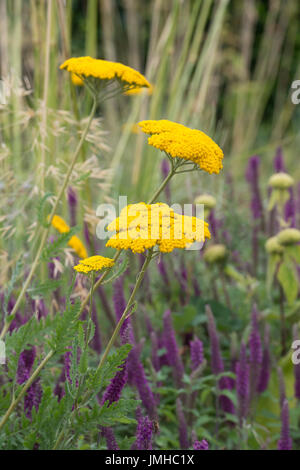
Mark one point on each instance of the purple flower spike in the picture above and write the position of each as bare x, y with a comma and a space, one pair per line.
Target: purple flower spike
217, 365
183, 429
137, 377
34, 393
114, 389
173, 355
265, 370
144, 434
242, 383
285, 441
201, 445
278, 161
197, 356
252, 174
72, 200
111, 442
296, 367
254, 340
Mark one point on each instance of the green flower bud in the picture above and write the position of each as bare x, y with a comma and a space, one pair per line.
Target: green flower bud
206, 199
289, 236
272, 246
281, 181
215, 254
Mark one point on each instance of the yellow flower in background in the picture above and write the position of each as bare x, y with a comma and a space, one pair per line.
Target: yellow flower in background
85, 67
179, 141
143, 226
62, 227
93, 264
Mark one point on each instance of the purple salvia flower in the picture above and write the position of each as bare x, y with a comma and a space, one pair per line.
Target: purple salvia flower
33, 397
67, 364
278, 161
137, 377
264, 375
144, 434
296, 367
254, 340
182, 426
217, 365
109, 436
255, 353
197, 290
173, 355
252, 173
290, 209
154, 351
25, 364
242, 383
72, 201
201, 445
285, 441
213, 224
197, 356
120, 303
34, 393
282, 391
116, 385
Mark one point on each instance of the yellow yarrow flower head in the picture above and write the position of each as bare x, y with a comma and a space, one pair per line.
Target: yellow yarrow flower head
94, 264
76, 80
75, 243
179, 141
144, 226
273, 246
95, 70
288, 236
281, 181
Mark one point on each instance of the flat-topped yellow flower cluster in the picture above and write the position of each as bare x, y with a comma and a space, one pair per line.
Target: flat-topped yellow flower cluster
143, 226
179, 141
62, 227
94, 264
84, 67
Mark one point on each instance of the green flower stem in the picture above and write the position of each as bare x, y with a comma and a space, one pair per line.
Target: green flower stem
25, 388
126, 311
47, 230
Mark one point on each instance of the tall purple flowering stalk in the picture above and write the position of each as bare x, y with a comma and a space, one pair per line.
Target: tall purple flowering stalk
285, 441
252, 176
109, 436
255, 352
182, 426
197, 355
144, 434
265, 370
170, 343
278, 161
34, 393
242, 383
120, 304
217, 364
296, 367
138, 378
201, 445
72, 201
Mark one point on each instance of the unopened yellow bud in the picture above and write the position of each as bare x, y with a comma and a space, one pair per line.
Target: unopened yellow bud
215, 254
289, 236
281, 181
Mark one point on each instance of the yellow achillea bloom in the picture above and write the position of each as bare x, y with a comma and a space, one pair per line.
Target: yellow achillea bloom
85, 67
143, 226
76, 80
179, 141
62, 227
93, 263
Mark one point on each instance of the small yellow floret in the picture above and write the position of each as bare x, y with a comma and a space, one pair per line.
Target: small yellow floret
93, 264
62, 227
